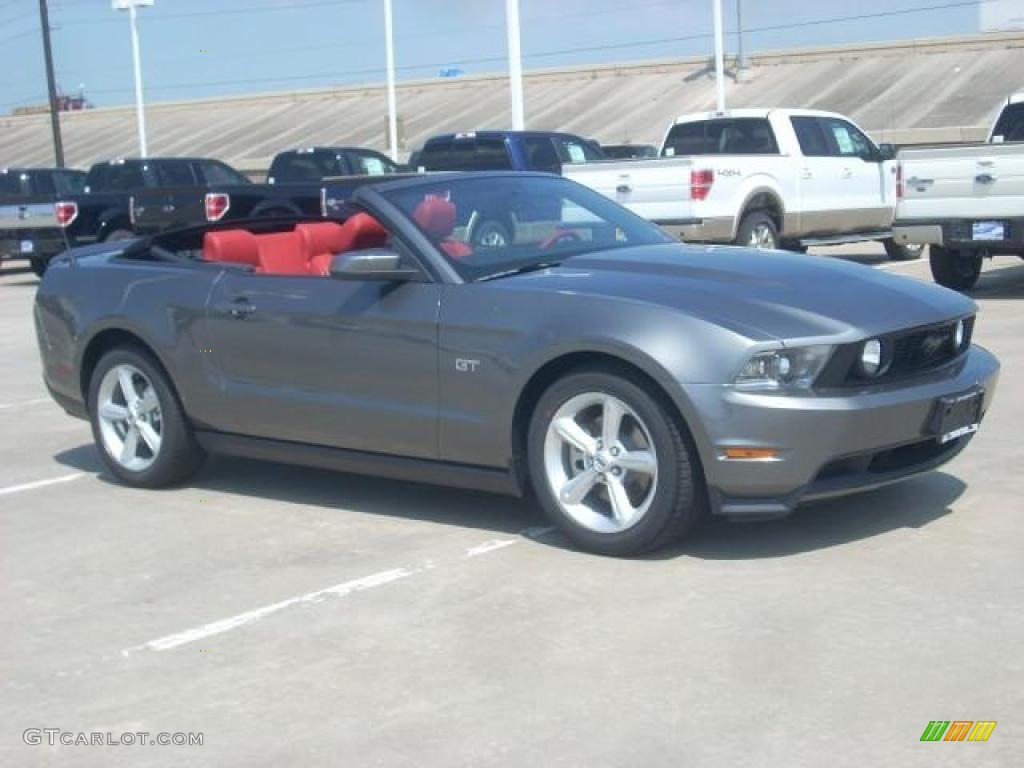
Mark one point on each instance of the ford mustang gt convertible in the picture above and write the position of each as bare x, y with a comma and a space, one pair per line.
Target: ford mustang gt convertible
631, 383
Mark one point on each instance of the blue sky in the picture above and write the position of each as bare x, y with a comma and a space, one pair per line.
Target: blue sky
196, 48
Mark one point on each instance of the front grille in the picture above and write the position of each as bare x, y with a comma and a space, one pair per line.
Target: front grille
907, 353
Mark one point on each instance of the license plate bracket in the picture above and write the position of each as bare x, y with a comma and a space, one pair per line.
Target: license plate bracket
957, 415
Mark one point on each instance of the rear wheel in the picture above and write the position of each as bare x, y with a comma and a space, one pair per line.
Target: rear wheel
611, 466
956, 269
491, 234
907, 252
757, 230
794, 245
38, 265
119, 234
137, 422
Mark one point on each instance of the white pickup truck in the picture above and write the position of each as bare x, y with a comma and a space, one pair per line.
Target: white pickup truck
760, 177
966, 201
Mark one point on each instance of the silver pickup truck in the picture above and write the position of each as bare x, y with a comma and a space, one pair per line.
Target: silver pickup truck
966, 201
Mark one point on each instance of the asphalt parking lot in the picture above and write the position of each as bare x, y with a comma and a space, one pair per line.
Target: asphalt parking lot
298, 617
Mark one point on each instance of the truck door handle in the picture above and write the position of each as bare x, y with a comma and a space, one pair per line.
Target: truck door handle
916, 182
168, 208
847, 173
623, 189
807, 174
985, 178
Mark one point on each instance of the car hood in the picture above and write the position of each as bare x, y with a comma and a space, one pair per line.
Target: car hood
761, 294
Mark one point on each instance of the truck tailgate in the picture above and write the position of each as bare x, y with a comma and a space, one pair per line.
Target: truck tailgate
26, 216
984, 181
656, 189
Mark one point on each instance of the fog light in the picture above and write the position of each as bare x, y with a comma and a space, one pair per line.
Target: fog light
871, 363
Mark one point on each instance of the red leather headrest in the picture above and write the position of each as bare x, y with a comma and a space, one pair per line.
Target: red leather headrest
363, 231
321, 237
436, 216
234, 245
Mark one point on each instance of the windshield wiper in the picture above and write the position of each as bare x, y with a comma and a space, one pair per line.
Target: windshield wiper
520, 270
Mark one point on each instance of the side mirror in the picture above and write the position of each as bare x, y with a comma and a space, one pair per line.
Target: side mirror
377, 264
886, 152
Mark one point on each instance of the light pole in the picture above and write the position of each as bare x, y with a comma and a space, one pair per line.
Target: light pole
389, 47
515, 64
740, 59
140, 114
719, 57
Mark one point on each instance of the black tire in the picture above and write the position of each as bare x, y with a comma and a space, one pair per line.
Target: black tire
897, 252
118, 234
679, 499
491, 233
794, 245
955, 269
39, 265
757, 220
180, 456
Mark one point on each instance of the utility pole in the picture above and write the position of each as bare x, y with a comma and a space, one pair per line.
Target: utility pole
740, 60
389, 47
515, 64
719, 57
58, 145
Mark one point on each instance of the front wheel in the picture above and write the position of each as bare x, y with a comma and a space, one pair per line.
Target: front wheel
908, 252
611, 466
137, 422
757, 230
955, 269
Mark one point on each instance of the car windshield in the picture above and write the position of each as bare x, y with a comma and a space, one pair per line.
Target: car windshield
490, 226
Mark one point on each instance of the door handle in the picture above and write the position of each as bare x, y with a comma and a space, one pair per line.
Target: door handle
623, 189
847, 173
985, 178
916, 182
807, 174
239, 308
168, 209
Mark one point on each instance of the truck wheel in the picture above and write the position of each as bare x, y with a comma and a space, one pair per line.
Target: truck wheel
757, 230
38, 265
907, 252
793, 245
138, 423
611, 466
492, 234
955, 269
118, 234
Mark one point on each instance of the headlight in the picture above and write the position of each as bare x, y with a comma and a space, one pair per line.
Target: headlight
794, 368
958, 334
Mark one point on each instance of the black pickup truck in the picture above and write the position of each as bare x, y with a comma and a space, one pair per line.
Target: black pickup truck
27, 198
297, 184
103, 209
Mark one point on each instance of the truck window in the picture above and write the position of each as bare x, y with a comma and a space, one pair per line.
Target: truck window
739, 136
10, 183
572, 150
1010, 125
685, 139
176, 173
811, 137
41, 183
304, 167
436, 155
846, 140
541, 154
365, 163
70, 183
217, 173
119, 177
479, 155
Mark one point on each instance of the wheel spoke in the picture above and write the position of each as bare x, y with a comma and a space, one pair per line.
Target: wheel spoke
574, 491
638, 461
130, 448
113, 412
622, 508
124, 379
575, 435
148, 401
611, 421
149, 435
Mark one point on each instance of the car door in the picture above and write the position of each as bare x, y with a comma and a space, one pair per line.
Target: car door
863, 177
330, 362
180, 204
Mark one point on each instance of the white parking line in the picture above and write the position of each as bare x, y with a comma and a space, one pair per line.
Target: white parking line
344, 589
898, 264
25, 403
40, 484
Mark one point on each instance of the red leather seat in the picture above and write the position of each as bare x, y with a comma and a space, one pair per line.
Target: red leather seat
281, 254
436, 217
322, 241
232, 245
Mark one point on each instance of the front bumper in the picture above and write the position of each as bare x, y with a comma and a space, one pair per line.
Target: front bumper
829, 445
718, 230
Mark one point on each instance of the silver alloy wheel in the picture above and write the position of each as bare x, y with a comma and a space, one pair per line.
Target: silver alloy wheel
914, 250
762, 238
600, 462
131, 423
492, 238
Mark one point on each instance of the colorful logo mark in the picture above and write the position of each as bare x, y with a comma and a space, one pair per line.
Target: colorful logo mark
958, 730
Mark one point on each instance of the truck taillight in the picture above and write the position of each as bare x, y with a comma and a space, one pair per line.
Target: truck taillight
899, 181
701, 183
65, 213
217, 204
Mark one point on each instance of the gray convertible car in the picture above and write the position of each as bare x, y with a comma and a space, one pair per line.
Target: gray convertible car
633, 383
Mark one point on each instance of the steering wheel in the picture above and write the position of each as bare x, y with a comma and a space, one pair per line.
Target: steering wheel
559, 236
